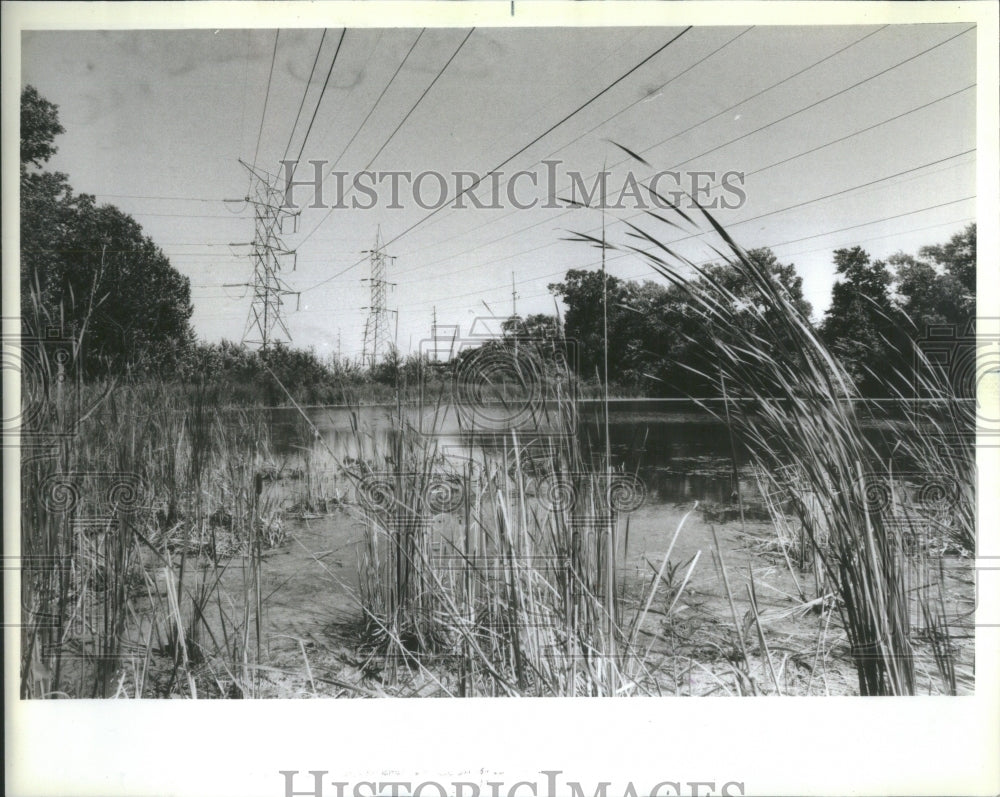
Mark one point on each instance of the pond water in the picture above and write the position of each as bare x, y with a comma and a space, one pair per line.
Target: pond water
679, 451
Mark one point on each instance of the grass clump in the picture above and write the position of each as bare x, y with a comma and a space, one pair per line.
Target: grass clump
495, 567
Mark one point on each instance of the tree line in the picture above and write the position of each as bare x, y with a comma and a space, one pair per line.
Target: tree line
879, 312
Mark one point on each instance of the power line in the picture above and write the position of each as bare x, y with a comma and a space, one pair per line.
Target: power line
365, 121
828, 196
724, 111
964, 220
243, 101
879, 221
642, 99
824, 197
505, 286
743, 221
745, 175
203, 243
319, 102
305, 93
756, 171
204, 254
676, 77
855, 188
420, 99
794, 113
374, 106
267, 95
826, 99
640, 213
760, 93
161, 197
190, 215
379, 99
522, 149
770, 124
539, 137
895, 118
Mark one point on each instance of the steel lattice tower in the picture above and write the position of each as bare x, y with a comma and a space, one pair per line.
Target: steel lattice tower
270, 257
377, 341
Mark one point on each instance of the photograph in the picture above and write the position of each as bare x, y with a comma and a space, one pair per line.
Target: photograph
510, 352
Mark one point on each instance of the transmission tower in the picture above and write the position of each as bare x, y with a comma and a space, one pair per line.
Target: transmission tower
270, 257
377, 342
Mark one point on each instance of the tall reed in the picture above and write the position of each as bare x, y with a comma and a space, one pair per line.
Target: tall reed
494, 567
131, 513
805, 435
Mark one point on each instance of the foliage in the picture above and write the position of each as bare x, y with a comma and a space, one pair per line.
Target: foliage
879, 312
537, 326
812, 448
882, 309
516, 601
583, 294
89, 270
957, 259
39, 127
157, 500
861, 323
655, 342
939, 286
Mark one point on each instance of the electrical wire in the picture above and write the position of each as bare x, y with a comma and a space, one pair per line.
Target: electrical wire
319, 102
522, 149
305, 93
267, 95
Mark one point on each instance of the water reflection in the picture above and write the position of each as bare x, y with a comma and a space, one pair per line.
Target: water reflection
680, 455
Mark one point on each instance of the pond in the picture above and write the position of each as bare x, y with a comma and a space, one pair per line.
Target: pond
679, 451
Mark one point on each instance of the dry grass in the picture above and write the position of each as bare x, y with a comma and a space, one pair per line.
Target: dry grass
129, 523
500, 572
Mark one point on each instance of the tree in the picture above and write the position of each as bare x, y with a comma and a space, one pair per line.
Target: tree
655, 326
656, 341
39, 127
958, 260
90, 269
538, 326
744, 300
583, 293
862, 326
939, 286
921, 292
730, 289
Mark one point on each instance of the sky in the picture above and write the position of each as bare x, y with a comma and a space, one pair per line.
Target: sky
843, 135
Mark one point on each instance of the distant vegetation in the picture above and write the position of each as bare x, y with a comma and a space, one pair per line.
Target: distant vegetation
656, 340
91, 273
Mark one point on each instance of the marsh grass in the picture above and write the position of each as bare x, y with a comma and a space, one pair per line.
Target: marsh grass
807, 441
497, 569
132, 512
